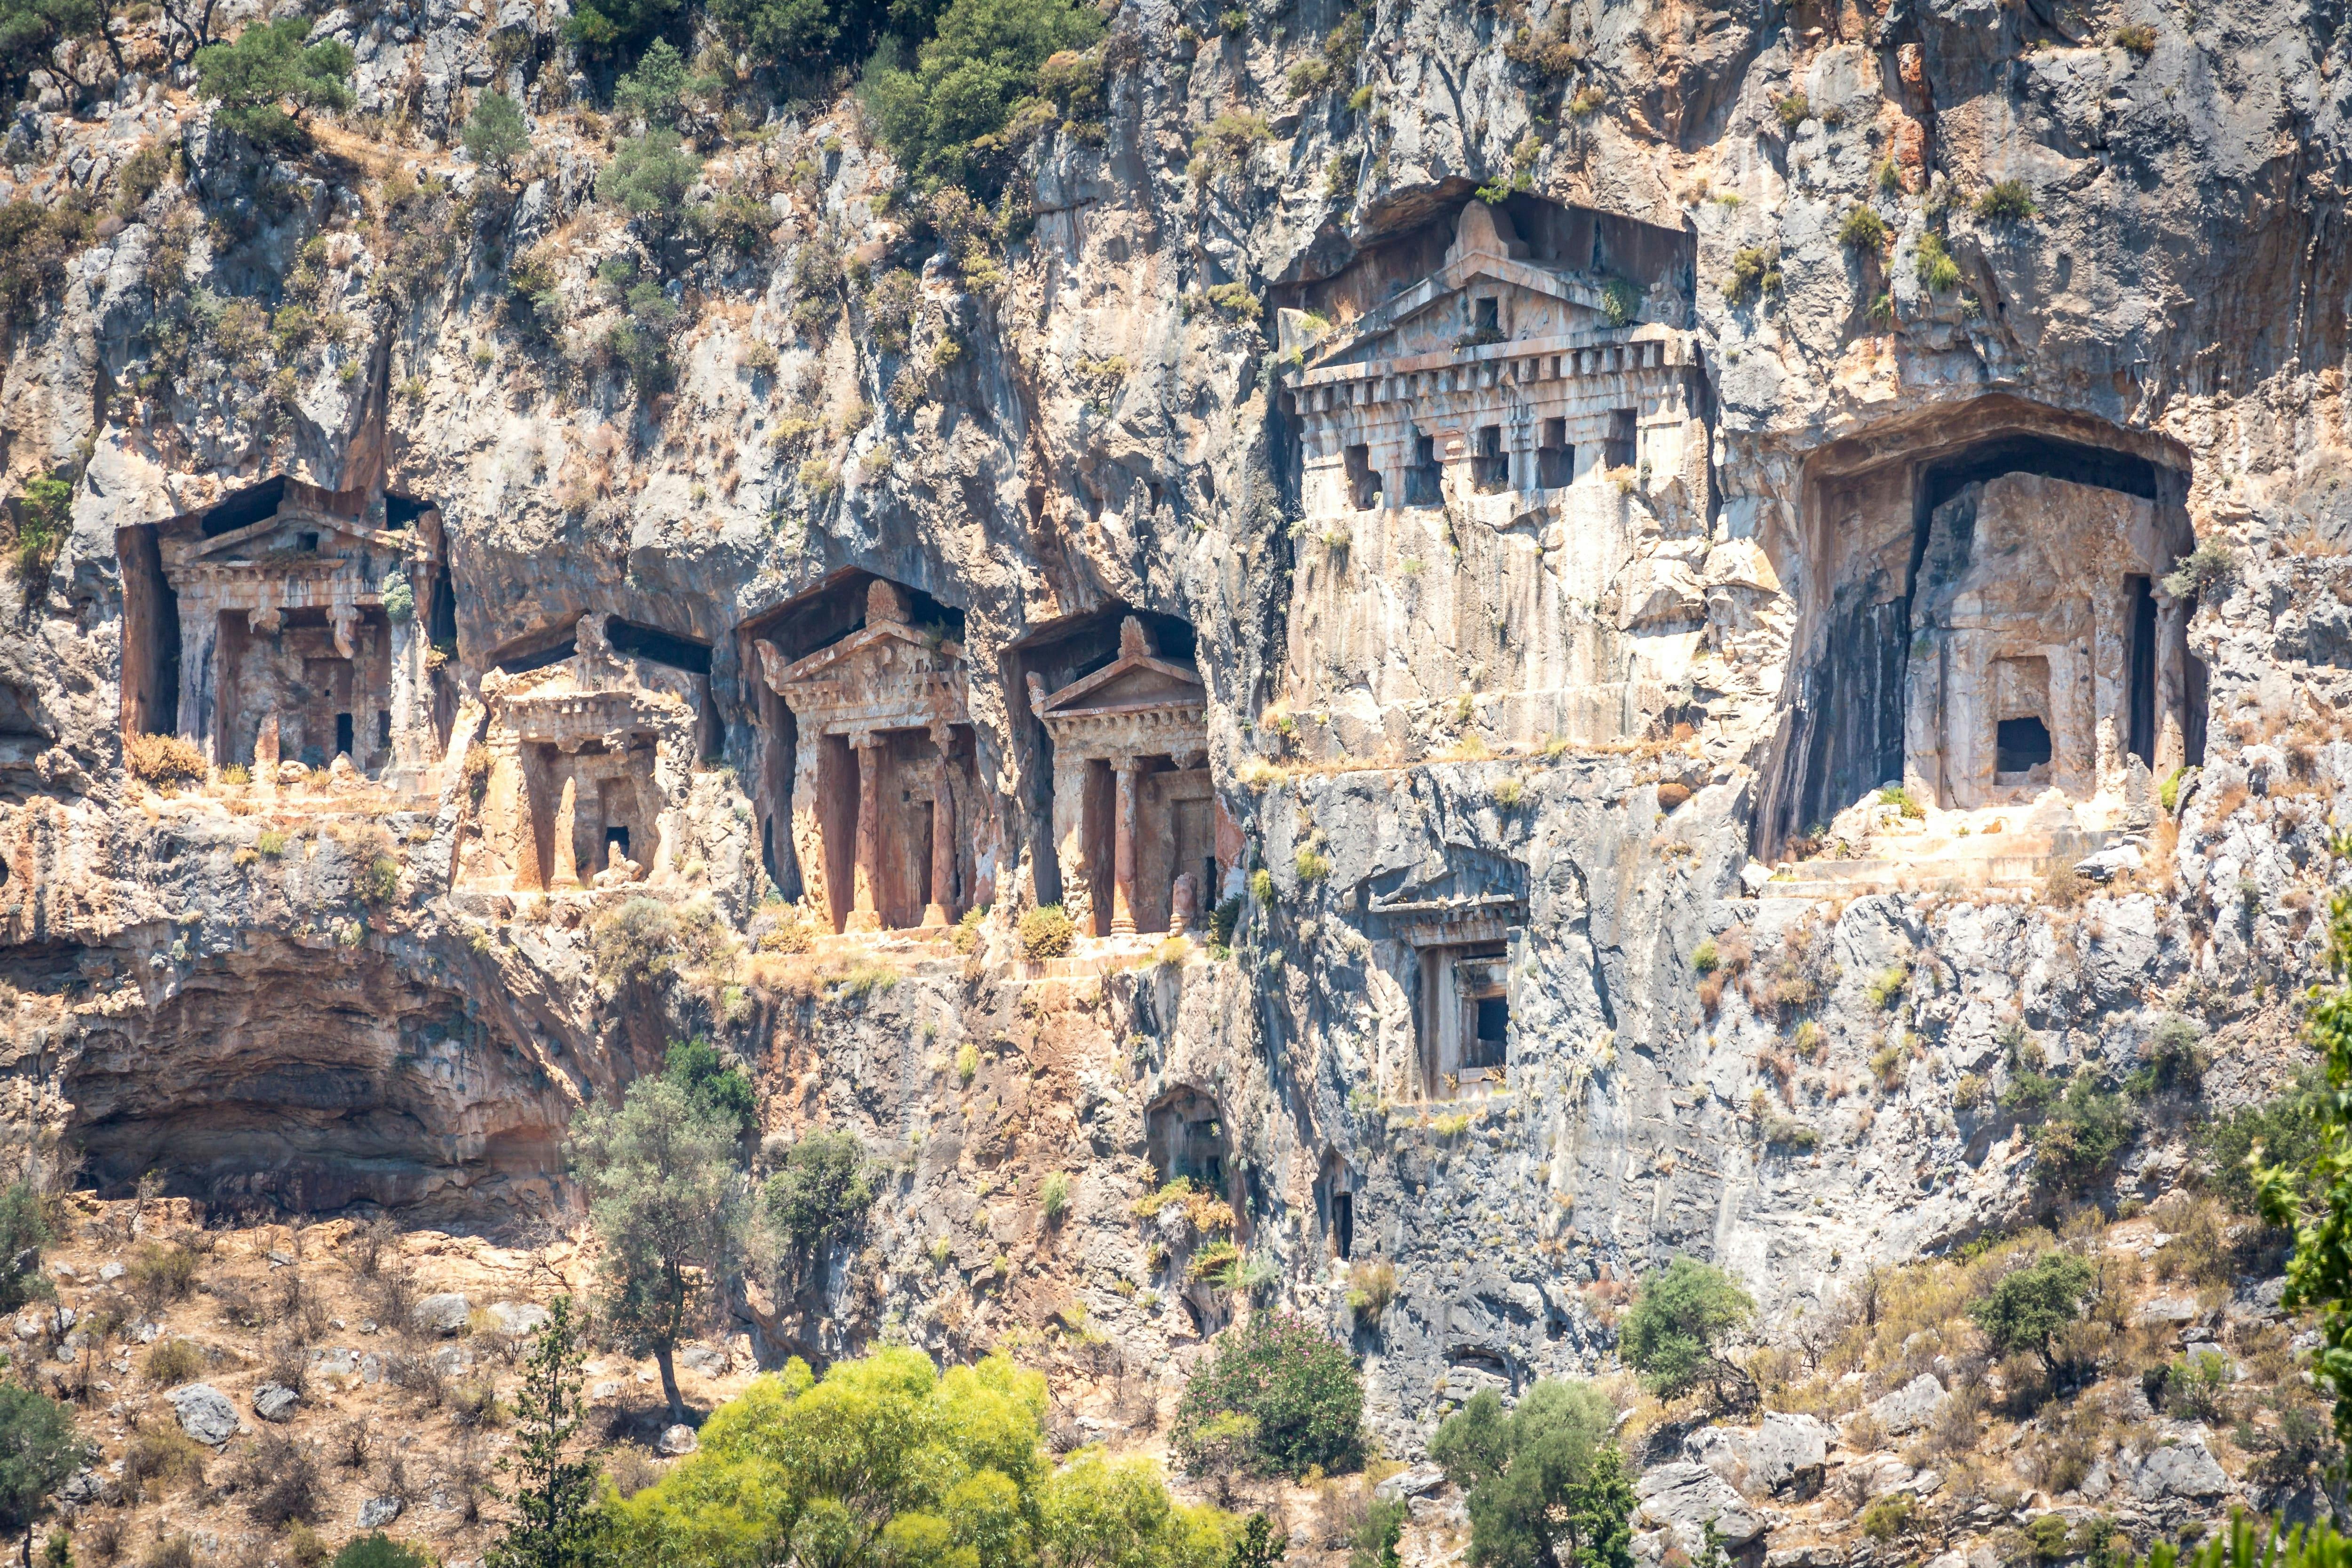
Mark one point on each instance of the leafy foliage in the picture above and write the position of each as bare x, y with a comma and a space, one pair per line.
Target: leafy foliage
2319, 1277
715, 1083
1047, 931
1545, 1484
887, 1460
34, 243
555, 1524
31, 32
944, 118
663, 1196
2032, 1306
635, 943
377, 1550
2081, 1133
2203, 572
1675, 1332
611, 27
269, 65
1300, 1389
657, 90
39, 1449
496, 136
2286, 1132
44, 513
649, 177
2006, 201
1863, 230
822, 1191
25, 1229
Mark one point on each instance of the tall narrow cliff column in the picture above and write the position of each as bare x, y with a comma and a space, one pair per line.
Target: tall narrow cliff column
567, 816
1122, 880
943, 844
863, 913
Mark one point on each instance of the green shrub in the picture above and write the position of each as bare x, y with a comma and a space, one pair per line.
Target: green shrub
162, 1273
2288, 1131
2082, 1135
377, 1550
35, 242
655, 90
1704, 958
1311, 867
44, 513
1047, 931
1547, 1483
1675, 1332
633, 944
270, 63
1935, 266
380, 883
2031, 1306
944, 118
2174, 1060
1236, 299
495, 134
648, 178
2006, 201
1754, 272
1222, 922
1794, 110
1621, 301
2137, 37
714, 1083
1886, 989
967, 1063
2196, 1386
1261, 887
820, 1191
171, 1362
1887, 1517
1054, 1197
1375, 1541
1302, 1391
890, 307
1863, 230
2198, 574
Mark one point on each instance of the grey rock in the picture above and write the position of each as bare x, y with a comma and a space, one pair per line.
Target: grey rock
275, 1401
519, 1317
110, 1272
2184, 1469
1785, 1447
1413, 1482
677, 1439
375, 1512
445, 1314
335, 1362
2168, 1309
1911, 1406
1683, 1497
704, 1360
205, 1413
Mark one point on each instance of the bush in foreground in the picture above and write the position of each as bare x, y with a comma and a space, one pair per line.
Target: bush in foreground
1299, 1390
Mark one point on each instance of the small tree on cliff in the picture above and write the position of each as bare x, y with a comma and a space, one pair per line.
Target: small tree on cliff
39, 1449
556, 1524
668, 1207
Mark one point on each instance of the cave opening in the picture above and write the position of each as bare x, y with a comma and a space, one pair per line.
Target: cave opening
151, 635
2023, 745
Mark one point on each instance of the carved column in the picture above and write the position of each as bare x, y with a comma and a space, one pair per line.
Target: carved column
1122, 882
864, 915
567, 815
943, 842
2171, 685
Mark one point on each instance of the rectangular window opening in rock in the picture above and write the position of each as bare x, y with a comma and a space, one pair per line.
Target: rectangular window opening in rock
2142, 739
1486, 318
1490, 466
1620, 447
1343, 1223
1555, 459
1363, 479
1422, 479
1464, 1018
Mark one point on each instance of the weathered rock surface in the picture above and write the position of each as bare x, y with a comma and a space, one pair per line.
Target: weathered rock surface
203, 1413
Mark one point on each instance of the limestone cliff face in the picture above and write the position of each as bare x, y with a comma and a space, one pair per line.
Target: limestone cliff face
1539, 562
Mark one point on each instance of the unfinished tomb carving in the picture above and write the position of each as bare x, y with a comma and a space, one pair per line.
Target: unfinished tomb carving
1499, 478
1447, 934
591, 760
1134, 812
2046, 653
886, 788
287, 652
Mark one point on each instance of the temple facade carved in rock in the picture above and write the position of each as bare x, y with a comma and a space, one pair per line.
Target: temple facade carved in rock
589, 761
1134, 811
886, 810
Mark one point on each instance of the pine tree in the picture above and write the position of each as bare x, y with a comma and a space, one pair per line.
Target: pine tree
557, 1524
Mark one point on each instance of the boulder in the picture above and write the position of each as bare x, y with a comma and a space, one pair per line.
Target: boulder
2168, 1309
275, 1401
1788, 1452
205, 1413
1911, 1406
2176, 1471
1422, 1477
335, 1362
375, 1512
519, 1317
704, 1360
445, 1314
1683, 1497
677, 1439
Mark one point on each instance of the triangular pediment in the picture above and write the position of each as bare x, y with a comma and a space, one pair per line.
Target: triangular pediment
282, 536
870, 650
1145, 681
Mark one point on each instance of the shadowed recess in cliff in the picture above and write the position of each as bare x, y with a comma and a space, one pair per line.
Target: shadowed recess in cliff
1870, 502
311, 1082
